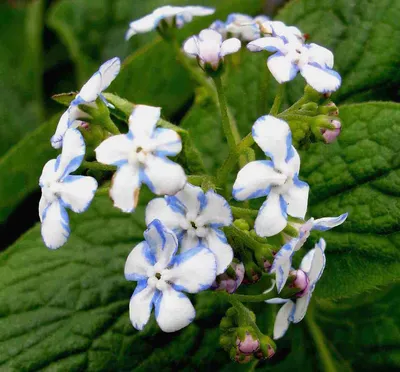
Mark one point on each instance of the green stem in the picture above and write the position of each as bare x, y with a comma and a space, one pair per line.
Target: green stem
264, 91
98, 166
287, 117
243, 212
319, 340
103, 191
254, 298
296, 105
232, 159
226, 123
109, 125
278, 100
244, 238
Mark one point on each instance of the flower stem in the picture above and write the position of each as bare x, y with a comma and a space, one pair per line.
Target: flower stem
94, 165
319, 340
230, 130
296, 105
278, 100
265, 80
109, 125
254, 298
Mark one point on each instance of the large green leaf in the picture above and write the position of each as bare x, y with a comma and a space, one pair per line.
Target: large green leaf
20, 71
151, 75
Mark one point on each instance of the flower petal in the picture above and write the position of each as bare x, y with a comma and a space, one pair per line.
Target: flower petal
282, 319
215, 211
43, 205
109, 71
142, 25
293, 160
189, 241
174, 310
322, 80
301, 307
282, 68
163, 176
271, 44
167, 142
191, 46
125, 188
114, 150
210, 35
274, 138
62, 126
139, 261
163, 243
255, 179
159, 209
90, 91
272, 216
327, 223
192, 271
283, 263
318, 263
230, 46
143, 120
48, 172
217, 243
141, 304
187, 201
77, 192
320, 55
199, 10
55, 225
72, 153
296, 198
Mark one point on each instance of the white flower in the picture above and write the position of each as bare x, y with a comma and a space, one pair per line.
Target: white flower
92, 90
313, 61
196, 218
312, 266
209, 48
277, 178
283, 259
141, 157
244, 27
61, 191
162, 276
181, 15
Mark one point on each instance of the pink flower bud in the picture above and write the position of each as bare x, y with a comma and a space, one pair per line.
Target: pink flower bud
249, 345
331, 134
228, 284
301, 282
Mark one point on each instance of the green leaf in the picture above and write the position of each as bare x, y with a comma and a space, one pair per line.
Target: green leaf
21, 166
21, 108
359, 174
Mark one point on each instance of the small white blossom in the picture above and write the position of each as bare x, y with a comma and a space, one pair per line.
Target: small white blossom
279, 29
283, 259
196, 218
180, 14
209, 48
277, 178
92, 90
141, 156
163, 276
60, 190
312, 267
314, 62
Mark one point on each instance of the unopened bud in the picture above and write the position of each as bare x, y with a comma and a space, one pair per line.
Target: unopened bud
241, 224
253, 273
227, 283
329, 109
312, 107
311, 94
301, 282
267, 348
330, 135
264, 257
248, 345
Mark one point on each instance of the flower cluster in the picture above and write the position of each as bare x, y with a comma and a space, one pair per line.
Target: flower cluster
202, 232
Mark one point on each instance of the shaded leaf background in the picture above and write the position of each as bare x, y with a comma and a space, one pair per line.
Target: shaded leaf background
67, 310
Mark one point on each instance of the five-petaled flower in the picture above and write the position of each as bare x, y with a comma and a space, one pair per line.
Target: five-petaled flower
277, 178
92, 90
162, 276
283, 260
196, 218
60, 190
141, 157
311, 269
171, 14
314, 62
209, 48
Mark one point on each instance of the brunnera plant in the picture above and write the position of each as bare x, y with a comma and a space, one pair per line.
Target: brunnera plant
229, 244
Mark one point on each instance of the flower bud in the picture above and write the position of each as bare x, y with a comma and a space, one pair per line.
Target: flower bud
330, 135
227, 283
264, 257
296, 284
241, 224
253, 273
329, 109
310, 106
311, 94
247, 345
267, 348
